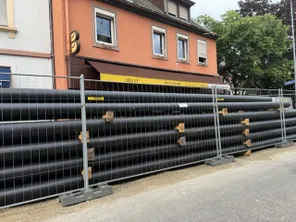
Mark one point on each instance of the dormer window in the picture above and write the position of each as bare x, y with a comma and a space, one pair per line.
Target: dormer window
183, 12
177, 10
173, 8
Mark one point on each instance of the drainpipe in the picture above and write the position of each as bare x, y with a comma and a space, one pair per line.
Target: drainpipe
67, 26
52, 43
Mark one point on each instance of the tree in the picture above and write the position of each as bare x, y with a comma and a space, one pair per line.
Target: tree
250, 49
257, 7
280, 9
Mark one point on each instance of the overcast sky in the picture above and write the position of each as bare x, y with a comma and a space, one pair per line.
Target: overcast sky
214, 8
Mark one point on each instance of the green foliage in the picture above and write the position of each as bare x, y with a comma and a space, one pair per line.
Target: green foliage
251, 49
280, 9
259, 7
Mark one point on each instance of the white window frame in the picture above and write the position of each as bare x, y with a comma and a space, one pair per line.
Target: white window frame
198, 52
112, 17
164, 41
183, 37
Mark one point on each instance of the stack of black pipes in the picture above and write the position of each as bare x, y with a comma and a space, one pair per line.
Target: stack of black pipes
41, 153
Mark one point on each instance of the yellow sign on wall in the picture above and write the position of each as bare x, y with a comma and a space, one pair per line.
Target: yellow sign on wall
150, 81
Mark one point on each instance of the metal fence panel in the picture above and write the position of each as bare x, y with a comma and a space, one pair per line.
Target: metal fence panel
257, 124
95, 132
145, 129
40, 151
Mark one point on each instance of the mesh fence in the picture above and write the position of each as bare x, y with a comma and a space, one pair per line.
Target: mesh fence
40, 152
140, 129
252, 122
57, 141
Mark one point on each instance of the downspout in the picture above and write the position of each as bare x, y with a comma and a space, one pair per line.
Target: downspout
52, 43
67, 36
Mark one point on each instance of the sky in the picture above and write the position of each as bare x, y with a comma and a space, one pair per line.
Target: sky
214, 8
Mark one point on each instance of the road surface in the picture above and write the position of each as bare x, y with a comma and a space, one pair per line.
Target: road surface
257, 188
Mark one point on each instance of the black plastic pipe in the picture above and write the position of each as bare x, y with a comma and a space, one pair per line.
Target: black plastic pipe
50, 96
38, 152
56, 130
122, 156
40, 131
148, 167
108, 143
32, 191
38, 168
27, 111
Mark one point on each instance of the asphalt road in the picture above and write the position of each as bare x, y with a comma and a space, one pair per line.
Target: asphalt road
262, 190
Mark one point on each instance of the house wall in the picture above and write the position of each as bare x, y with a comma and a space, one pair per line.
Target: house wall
134, 34
30, 50
27, 65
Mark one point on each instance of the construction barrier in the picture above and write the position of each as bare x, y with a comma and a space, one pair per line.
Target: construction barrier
59, 142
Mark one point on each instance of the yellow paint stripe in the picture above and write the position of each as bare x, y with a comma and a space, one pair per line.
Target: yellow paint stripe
150, 81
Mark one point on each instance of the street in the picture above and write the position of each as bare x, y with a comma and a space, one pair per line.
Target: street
257, 188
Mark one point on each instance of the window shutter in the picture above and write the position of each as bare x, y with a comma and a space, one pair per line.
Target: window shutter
172, 7
184, 13
3, 13
202, 49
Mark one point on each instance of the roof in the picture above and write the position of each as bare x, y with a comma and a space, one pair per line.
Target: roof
146, 7
189, 2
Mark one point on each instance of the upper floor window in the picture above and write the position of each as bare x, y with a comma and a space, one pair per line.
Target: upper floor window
172, 8
183, 12
177, 10
159, 41
7, 17
3, 13
182, 47
202, 52
105, 27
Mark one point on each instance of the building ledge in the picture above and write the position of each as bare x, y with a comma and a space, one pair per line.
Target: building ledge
11, 31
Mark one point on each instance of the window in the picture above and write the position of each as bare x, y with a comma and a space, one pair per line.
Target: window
172, 8
5, 77
159, 41
105, 27
7, 18
3, 13
182, 47
202, 52
183, 12
178, 10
